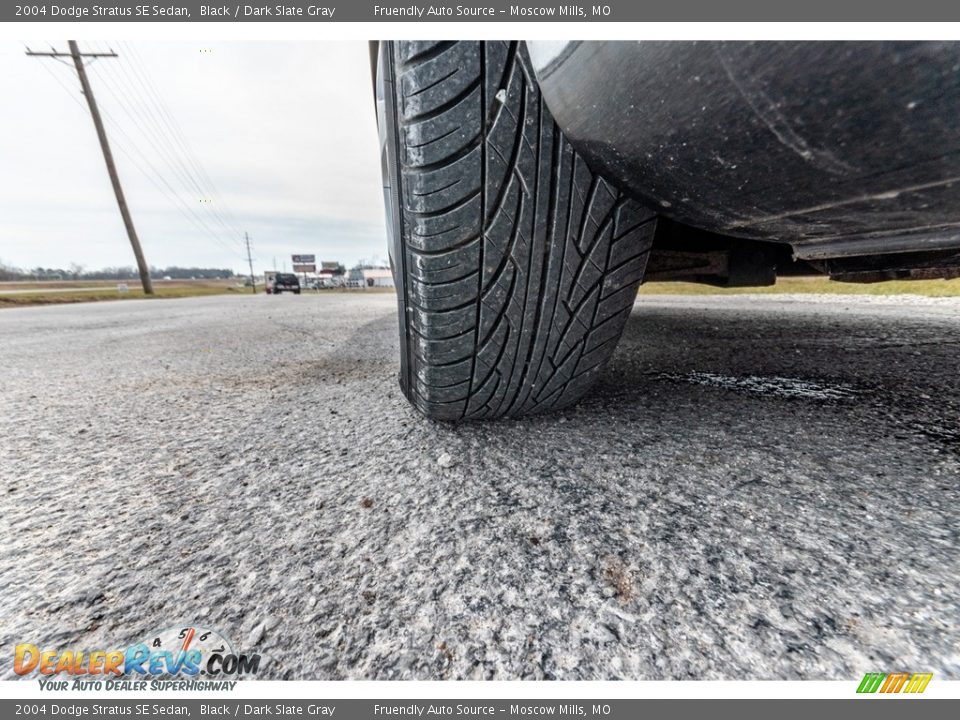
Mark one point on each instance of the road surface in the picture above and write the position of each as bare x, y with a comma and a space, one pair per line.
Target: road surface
762, 487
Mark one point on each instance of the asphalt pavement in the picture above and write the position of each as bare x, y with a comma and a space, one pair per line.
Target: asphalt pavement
761, 487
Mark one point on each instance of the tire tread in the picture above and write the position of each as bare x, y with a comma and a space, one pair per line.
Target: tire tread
522, 264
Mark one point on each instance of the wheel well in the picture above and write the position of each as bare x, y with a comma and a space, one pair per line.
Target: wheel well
681, 252
684, 253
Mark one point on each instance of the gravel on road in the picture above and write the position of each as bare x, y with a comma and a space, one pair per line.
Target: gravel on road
761, 487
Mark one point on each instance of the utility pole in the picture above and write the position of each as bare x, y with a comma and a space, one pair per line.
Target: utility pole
78, 58
253, 282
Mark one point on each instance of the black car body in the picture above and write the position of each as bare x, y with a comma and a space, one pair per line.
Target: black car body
847, 153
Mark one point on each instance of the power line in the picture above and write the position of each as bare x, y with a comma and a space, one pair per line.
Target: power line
169, 191
185, 143
189, 213
145, 118
78, 62
159, 150
138, 68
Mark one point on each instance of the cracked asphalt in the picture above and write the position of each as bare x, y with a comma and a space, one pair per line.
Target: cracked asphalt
761, 487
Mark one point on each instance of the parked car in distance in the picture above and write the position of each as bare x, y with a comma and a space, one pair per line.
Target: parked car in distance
283, 282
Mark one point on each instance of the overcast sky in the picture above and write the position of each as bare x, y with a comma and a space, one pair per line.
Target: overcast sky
285, 131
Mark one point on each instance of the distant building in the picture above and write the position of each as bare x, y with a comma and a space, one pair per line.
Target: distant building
378, 277
328, 273
370, 277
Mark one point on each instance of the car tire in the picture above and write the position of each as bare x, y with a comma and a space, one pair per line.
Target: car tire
516, 266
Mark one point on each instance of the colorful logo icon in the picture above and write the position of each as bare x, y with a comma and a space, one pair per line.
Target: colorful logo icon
183, 650
898, 682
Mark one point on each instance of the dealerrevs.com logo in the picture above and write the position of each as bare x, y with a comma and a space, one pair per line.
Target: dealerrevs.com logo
182, 658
